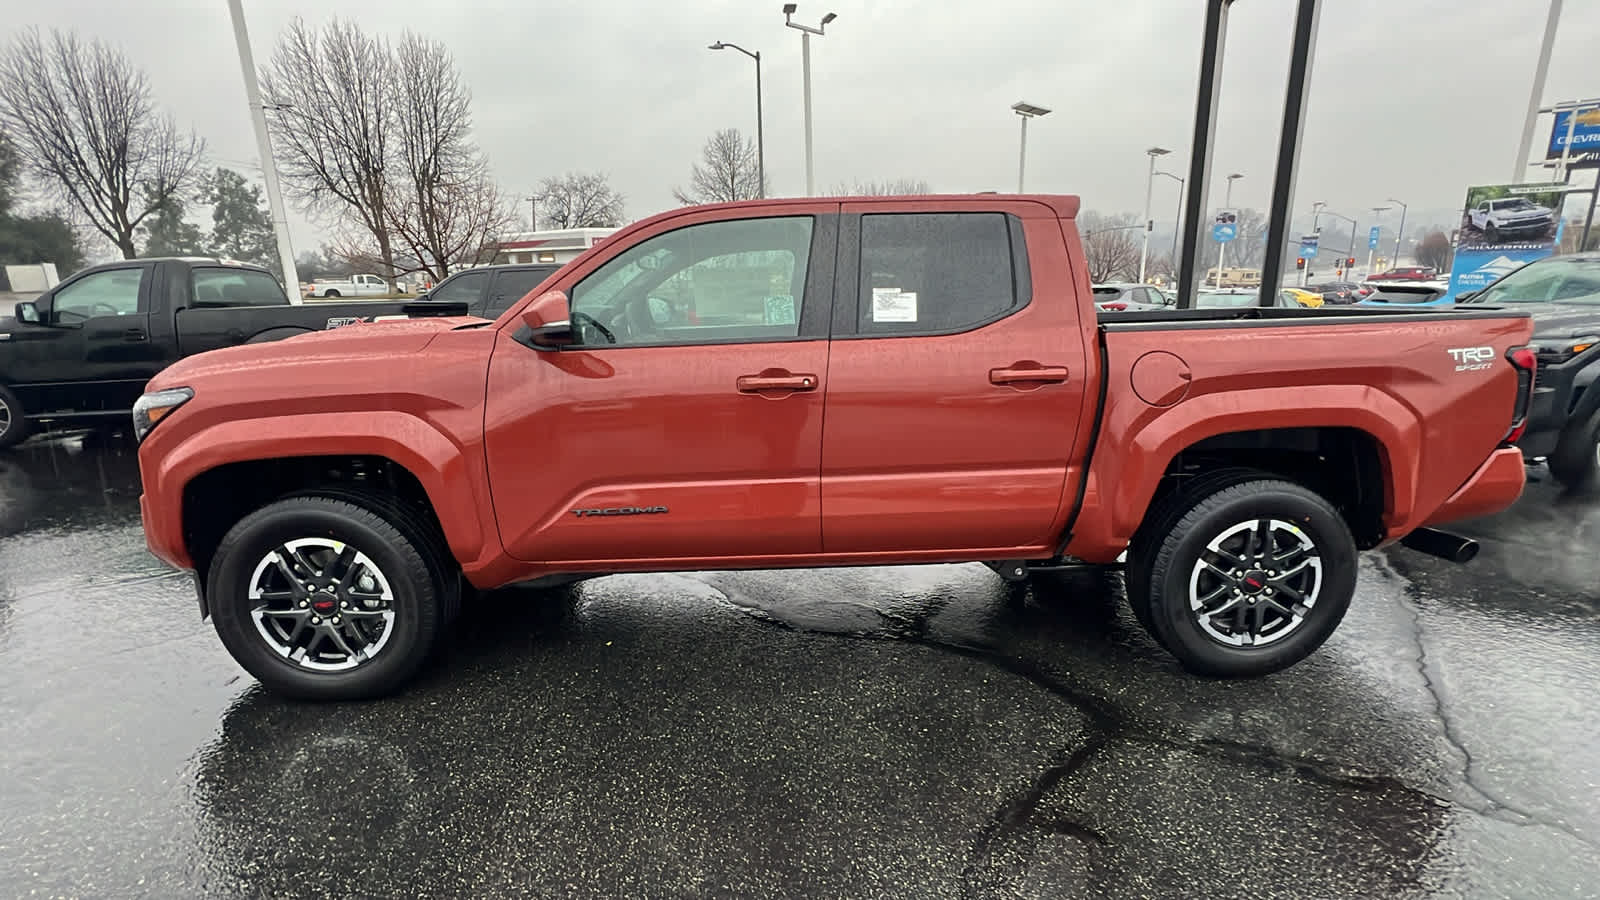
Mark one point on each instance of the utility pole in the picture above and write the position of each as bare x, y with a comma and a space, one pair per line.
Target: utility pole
1149, 185
269, 166
533, 212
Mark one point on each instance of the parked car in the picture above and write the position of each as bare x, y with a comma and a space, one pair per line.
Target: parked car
976, 411
1129, 297
354, 286
1339, 292
1511, 218
1309, 299
1405, 273
1244, 299
1411, 293
489, 291
81, 352
1563, 295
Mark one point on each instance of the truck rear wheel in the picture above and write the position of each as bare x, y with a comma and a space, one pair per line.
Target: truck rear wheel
1249, 580
14, 428
332, 293
1576, 460
323, 599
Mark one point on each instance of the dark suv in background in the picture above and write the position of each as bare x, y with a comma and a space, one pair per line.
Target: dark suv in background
489, 291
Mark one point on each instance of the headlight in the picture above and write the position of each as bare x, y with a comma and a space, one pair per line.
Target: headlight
153, 407
1559, 350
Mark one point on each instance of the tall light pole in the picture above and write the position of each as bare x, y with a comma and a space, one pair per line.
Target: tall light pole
761, 141
1540, 70
806, 31
1026, 111
1149, 184
1372, 245
1398, 232
1177, 223
269, 166
1222, 251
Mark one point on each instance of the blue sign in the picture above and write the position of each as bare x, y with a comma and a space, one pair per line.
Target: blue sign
1585, 134
1372, 238
1308, 246
1473, 270
1223, 233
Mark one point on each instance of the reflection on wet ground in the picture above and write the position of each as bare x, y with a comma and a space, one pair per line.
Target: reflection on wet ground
886, 732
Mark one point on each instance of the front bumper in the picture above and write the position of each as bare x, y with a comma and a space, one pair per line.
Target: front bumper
1496, 485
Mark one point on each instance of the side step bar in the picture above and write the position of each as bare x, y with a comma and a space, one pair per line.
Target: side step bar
1442, 544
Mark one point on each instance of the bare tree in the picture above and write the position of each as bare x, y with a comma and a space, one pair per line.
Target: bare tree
579, 200
894, 188
83, 120
1110, 245
329, 98
443, 207
1434, 250
727, 171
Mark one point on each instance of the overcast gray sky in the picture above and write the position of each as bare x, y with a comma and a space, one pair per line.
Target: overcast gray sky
1413, 99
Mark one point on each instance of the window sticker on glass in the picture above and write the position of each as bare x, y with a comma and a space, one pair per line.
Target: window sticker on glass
779, 310
890, 304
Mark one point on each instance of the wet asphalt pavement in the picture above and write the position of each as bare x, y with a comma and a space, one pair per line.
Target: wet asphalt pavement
869, 732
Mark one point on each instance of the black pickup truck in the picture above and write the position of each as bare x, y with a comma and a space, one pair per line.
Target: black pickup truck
81, 352
1563, 294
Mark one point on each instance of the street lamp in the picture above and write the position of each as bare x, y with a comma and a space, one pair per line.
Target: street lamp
1398, 231
1222, 251
1149, 184
1026, 111
1372, 245
761, 141
806, 31
1177, 224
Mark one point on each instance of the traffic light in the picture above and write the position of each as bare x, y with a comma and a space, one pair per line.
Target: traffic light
1300, 262
1349, 261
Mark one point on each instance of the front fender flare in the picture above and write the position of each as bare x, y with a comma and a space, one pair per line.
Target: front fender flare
437, 462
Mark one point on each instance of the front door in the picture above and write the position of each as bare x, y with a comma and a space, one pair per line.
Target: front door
955, 383
96, 354
685, 425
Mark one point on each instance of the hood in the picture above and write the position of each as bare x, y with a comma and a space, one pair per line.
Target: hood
1560, 320
363, 342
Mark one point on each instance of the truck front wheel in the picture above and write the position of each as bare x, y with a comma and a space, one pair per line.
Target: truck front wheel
322, 599
1251, 579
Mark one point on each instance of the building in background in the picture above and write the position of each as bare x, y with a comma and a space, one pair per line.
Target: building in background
558, 245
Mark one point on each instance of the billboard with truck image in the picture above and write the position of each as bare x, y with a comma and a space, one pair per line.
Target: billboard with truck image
1504, 227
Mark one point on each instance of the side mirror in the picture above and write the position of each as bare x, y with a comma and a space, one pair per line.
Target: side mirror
548, 321
27, 311
422, 296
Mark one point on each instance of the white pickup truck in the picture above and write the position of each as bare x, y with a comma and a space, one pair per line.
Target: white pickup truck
354, 286
1511, 218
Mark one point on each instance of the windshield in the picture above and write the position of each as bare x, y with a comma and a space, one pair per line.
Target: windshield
1550, 281
1513, 205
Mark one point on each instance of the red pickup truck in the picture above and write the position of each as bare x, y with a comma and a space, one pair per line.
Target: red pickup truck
823, 382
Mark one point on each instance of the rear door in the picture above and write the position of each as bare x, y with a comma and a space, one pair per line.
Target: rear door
955, 380
685, 425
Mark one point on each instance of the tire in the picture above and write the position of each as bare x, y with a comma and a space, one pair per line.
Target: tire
1159, 522
1491, 233
332, 294
392, 611
1576, 460
14, 429
1272, 631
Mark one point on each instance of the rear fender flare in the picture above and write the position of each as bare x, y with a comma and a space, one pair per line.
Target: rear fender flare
1366, 409
438, 463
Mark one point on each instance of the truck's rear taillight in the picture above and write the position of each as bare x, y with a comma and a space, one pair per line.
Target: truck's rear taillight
1526, 362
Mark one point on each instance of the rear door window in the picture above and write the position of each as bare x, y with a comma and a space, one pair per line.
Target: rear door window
939, 273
